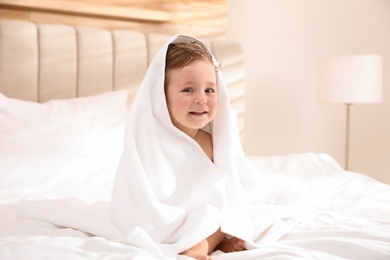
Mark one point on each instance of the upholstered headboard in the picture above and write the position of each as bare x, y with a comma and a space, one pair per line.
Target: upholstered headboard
40, 62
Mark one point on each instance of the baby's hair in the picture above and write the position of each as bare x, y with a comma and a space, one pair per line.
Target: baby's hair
182, 54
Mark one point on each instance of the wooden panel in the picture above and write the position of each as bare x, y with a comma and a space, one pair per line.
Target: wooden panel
58, 62
90, 8
19, 60
130, 60
10, 13
95, 72
199, 18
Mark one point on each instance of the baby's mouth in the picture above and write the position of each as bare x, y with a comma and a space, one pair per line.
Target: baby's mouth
198, 112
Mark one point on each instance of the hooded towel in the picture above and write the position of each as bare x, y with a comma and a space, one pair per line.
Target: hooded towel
168, 195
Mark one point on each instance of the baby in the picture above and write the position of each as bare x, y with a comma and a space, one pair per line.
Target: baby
183, 182
192, 100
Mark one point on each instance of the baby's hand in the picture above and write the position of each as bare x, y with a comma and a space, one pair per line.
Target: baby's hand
233, 244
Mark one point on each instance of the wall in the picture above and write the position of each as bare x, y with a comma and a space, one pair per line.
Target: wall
282, 41
200, 18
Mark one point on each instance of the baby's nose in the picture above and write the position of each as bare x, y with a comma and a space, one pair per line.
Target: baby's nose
201, 99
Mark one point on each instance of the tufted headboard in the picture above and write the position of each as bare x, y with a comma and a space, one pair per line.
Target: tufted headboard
40, 62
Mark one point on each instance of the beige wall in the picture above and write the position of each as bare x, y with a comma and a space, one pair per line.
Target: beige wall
282, 40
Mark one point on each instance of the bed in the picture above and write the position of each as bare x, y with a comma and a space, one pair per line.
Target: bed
64, 96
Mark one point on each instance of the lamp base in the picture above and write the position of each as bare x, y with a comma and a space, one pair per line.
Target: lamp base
347, 106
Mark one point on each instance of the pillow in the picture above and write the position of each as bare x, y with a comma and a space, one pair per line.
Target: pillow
87, 125
297, 164
40, 177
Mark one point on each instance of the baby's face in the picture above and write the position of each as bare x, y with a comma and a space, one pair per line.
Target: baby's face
192, 96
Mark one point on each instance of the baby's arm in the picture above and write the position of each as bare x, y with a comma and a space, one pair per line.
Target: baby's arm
217, 241
202, 250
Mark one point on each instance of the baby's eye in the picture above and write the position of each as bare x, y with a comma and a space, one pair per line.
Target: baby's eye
210, 90
188, 90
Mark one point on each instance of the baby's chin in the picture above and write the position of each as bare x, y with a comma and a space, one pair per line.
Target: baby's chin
199, 125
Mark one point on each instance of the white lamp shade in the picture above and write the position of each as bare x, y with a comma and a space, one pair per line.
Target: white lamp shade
350, 79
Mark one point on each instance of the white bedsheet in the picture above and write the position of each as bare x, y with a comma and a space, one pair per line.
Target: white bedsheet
350, 217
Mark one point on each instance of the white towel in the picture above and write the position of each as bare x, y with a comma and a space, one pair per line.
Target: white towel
169, 192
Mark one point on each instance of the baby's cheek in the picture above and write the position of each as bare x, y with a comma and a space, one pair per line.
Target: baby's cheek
214, 103
185, 102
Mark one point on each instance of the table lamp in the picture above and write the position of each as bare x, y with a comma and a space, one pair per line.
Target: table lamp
349, 80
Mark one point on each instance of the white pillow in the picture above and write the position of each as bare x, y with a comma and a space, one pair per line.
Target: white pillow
87, 125
39, 177
295, 164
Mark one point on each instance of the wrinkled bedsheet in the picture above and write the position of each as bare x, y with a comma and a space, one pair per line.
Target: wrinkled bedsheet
350, 216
